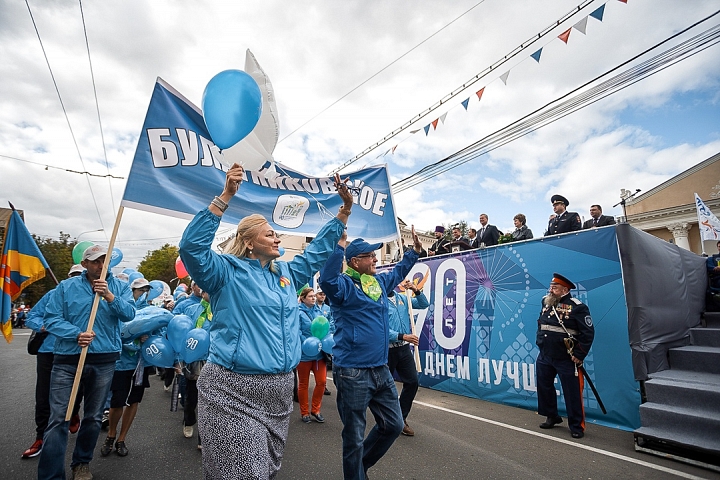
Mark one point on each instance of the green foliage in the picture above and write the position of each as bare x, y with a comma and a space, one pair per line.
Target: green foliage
58, 254
160, 264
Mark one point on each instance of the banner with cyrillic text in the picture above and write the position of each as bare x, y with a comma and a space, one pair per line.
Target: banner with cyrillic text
175, 173
477, 338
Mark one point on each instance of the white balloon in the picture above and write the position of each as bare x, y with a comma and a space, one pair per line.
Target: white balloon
250, 153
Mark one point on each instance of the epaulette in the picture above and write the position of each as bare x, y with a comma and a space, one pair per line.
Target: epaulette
576, 301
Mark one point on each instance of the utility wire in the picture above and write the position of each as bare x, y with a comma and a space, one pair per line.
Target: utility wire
513, 53
382, 69
60, 168
573, 101
97, 105
67, 119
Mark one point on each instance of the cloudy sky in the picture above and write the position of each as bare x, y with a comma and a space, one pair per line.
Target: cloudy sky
315, 53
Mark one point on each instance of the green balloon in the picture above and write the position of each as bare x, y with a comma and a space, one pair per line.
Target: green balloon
320, 327
79, 249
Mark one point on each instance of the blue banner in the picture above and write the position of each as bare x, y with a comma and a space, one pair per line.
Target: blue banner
175, 173
477, 338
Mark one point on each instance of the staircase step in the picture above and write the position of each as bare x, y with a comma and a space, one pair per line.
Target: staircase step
695, 358
712, 319
686, 376
708, 337
681, 425
681, 439
676, 392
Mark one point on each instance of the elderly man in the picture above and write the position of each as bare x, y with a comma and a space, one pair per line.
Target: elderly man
359, 303
66, 317
562, 221
565, 334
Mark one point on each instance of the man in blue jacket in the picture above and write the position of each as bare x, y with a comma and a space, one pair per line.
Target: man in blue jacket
400, 359
66, 317
359, 304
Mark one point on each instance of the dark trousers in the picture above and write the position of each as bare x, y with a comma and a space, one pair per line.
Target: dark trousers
402, 363
42, 394
191, 400
547, 368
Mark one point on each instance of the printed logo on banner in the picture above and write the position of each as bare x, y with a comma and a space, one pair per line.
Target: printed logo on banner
290, 210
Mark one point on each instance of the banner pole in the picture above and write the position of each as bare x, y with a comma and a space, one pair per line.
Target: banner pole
697, 211
91, 322
408, 295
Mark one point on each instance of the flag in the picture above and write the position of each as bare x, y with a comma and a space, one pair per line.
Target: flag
22, 264
175, 173
708, 223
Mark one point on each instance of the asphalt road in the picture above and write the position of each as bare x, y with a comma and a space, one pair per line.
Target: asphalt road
456, 437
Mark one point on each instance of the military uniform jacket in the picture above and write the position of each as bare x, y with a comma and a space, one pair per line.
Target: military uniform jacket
567, 222
575, 315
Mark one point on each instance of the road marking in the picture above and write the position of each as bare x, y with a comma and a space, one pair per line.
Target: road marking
566, 442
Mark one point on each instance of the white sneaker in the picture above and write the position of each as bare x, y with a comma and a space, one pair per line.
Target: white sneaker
166, 388
188, 431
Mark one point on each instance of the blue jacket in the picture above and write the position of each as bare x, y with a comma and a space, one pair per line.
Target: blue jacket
399, 315
186, 303
307, 315
361, 324
34, 320
129, 356
68, 312
256, 325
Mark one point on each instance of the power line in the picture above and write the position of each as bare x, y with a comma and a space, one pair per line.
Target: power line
513, 53
383, 69
97, 105
67, 119
573, 101
47, 166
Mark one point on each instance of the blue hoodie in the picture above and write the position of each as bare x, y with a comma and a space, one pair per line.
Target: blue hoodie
256, 326
68, 312
399, 315
34, 320
361, 324
307, 315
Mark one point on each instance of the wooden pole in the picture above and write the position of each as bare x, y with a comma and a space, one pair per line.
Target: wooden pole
91, 322
408, 295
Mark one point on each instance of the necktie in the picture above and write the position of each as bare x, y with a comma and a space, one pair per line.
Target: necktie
596, 222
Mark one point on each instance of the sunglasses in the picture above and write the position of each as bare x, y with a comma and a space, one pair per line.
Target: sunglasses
367, 255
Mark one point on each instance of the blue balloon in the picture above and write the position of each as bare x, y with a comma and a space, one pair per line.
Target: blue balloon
134, 276
231, 105
146, 321
156, 289
177, 330
128, 271
115, 257
197, 345
328, 343
281, 250
311, 346
158, 352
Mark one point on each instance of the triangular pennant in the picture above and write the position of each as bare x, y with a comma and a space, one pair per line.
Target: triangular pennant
581, 26
479, 93
427, 129
536, 55
413, 132
623, 1
434, 124
505, 76
393, 149
565, 35
442, 117
466, 102
598, 13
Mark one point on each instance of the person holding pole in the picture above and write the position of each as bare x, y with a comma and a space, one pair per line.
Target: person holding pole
400, 359
67, 317
564, 336
359, 303
245, 389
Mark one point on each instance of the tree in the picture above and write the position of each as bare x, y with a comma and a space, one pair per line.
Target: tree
160, 264
58, 254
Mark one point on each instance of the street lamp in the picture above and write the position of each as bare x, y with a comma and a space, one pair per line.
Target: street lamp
89, 231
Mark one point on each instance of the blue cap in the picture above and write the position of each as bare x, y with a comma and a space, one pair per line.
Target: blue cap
358, 247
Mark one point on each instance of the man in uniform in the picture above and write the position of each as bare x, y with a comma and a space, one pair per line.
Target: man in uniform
563, 221
564, 336
439, 247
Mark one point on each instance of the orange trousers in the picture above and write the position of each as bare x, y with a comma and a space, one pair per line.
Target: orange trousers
319, 368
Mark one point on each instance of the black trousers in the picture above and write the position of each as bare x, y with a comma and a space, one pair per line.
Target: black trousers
191, 400
402, 363
42, 394
547, 368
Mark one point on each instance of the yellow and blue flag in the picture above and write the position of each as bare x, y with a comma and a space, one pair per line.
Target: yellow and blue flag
22, 264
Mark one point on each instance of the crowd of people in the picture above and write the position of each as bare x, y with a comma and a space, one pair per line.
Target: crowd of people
240, 395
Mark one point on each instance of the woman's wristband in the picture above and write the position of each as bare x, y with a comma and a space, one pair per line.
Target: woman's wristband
222, 206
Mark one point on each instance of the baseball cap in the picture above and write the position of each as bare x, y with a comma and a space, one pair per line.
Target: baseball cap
77, 268
358, 247
139, 283
94, 252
